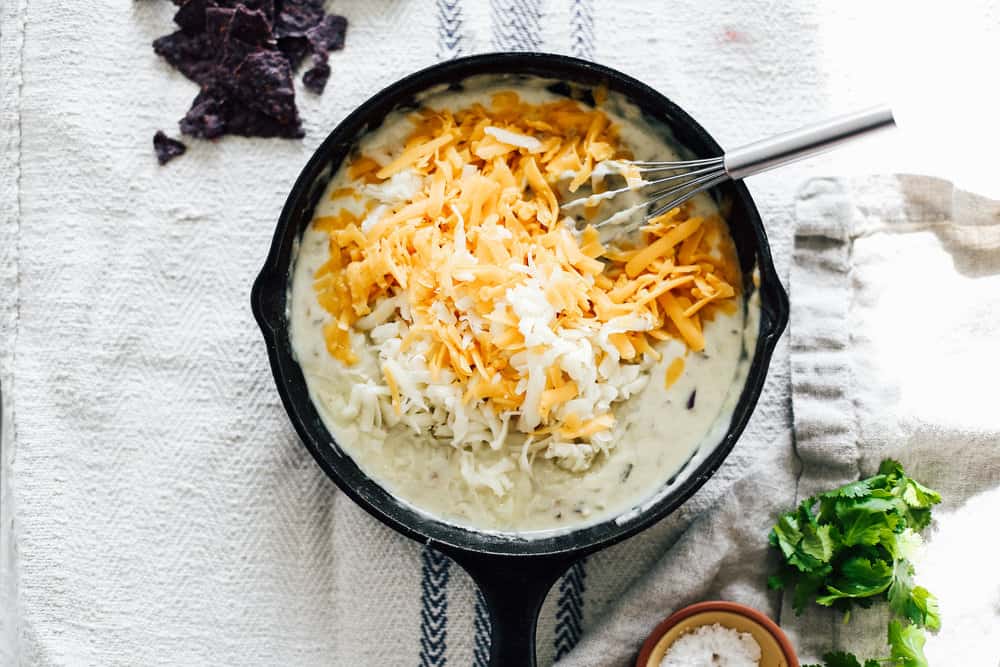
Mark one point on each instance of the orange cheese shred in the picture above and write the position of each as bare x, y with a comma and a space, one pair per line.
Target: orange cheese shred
674, 371
572, 430
485, 215
412, 155
661, 246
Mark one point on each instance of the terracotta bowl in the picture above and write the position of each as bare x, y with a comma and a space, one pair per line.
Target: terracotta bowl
775, 649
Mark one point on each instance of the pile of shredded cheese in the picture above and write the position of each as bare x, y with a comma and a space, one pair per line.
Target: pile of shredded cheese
494, 320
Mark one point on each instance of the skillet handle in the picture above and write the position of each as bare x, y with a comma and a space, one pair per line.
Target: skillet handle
514, 588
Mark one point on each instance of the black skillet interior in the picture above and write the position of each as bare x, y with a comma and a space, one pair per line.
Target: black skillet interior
514, 574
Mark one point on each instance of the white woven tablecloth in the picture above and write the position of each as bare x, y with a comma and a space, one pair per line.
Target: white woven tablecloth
156, 506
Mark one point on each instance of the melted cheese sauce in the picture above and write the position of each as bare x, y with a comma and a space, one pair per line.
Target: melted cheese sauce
656, 430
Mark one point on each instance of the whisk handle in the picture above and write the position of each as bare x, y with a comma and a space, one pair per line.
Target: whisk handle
806, 141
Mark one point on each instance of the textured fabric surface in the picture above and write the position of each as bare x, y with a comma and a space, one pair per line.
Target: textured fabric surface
11, 42
156, 506
895, 315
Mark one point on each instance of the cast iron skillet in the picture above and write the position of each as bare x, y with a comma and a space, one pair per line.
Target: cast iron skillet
513, 574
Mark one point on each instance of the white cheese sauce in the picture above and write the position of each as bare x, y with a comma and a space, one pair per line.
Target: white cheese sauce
656, 431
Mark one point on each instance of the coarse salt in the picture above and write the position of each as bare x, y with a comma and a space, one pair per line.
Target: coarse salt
713, 646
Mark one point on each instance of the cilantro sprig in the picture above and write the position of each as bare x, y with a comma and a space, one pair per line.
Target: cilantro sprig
851, 547
906, 645
841, 659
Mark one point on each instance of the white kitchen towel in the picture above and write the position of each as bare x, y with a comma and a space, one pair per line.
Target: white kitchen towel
11, 40
156, 506
895, 294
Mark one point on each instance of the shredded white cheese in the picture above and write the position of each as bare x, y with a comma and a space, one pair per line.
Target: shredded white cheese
532, 144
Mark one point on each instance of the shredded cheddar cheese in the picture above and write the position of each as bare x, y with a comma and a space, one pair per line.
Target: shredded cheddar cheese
674, 371
481, 295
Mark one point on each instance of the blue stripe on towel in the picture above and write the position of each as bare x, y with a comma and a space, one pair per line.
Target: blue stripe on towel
581, 22
569, 609
435, 573
517, 24
481, 624
450, 29
435, 569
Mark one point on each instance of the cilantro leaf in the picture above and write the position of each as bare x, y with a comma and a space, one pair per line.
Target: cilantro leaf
890, 467
914, 603
838, 659
859, 578
869, 522
918, 519
858, 489
805, 544
905, 545
901, 588
843, 659
818, 543
806, 587
786, 534
851, 547
906, 644
918, 496
923, 609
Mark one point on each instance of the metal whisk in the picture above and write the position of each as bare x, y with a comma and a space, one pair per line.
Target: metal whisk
667, 185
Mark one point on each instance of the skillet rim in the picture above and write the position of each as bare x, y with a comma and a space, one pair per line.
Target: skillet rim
268, 306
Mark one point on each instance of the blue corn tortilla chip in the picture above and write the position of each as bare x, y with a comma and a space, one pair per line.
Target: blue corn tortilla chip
192, 55
247, 32
296, 17
264, 82
206, 117
315, 78
217, 25
243, 54
250, 26
190, 15
328, 35
248, 122
215, 114
166, 148
265, 6
295, 49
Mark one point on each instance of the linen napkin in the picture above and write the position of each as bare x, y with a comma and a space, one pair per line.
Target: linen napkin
895, 295
896, 319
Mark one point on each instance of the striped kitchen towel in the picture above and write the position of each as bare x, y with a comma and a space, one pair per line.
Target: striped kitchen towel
156, 505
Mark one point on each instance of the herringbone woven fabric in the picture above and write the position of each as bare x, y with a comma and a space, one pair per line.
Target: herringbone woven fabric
156, 506
163, 511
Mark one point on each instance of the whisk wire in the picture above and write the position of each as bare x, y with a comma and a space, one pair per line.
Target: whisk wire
649, 188
664, 190
699, 186
688, 175
684, 164
693, 183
